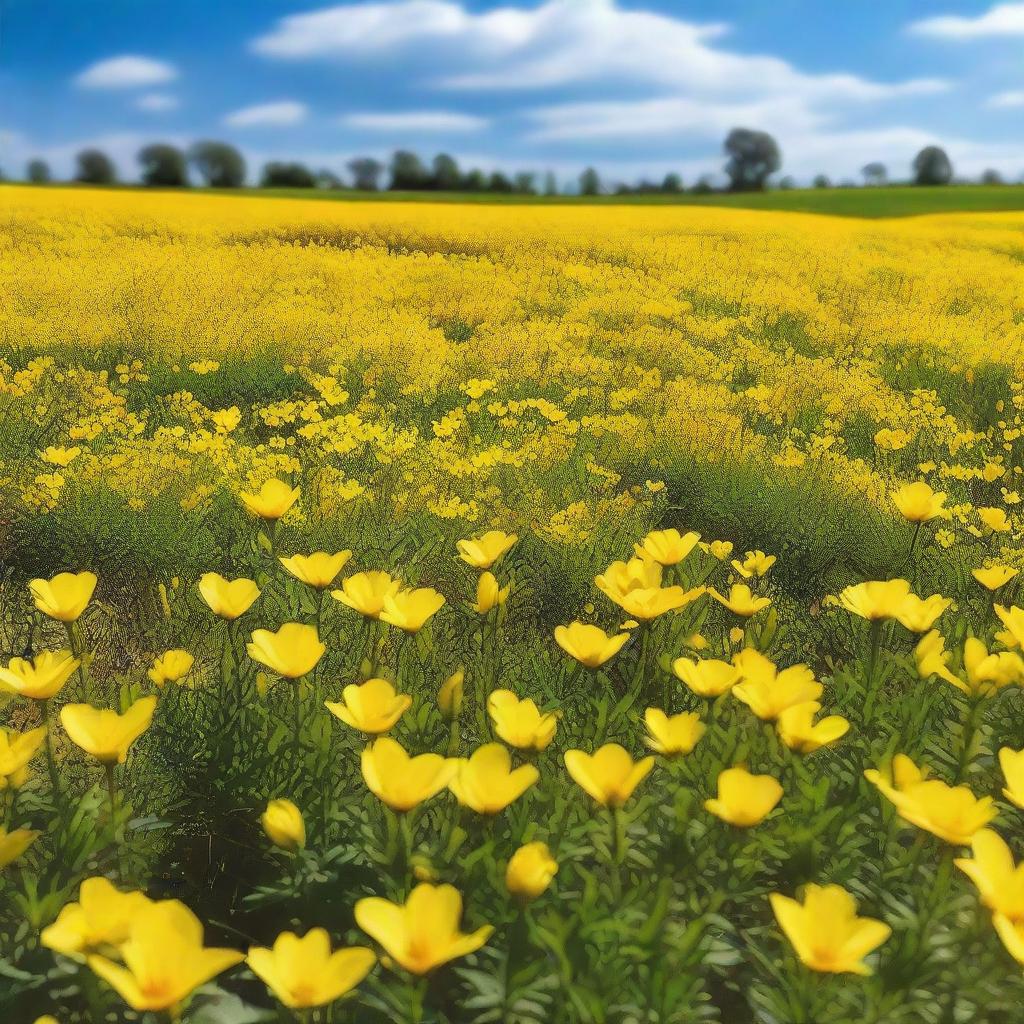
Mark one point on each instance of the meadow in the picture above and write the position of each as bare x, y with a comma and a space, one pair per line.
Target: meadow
505, 613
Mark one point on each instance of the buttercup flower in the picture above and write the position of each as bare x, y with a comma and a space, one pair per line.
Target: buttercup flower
755, 563
107, 735
995, 576
798, 730
741, 601
620, 578
228, 598
519, 723
283, 824
589, 645
743, 799
451, 694
487, 783
875, 601
826, 932
272, 500
650, 603
13, 844
995, 519
918, 503
318, 569
609, 775
666, 547
102, 917
767, 691
366, 592
919, 614
304, 972
171, 667
370, 707
16, 750
483, 552
65, 596
422, 933
1013, 619
709, 678
673, 734
1012, 763
400, 781
489, 594
40, 678
410, 609
530, 871
1000, 883
291, 652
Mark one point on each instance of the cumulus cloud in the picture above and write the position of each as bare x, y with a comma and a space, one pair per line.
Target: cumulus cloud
277, 114
998, 21
416, 121
126, 72
157, 102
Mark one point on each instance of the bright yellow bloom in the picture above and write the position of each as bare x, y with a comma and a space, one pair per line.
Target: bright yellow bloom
720, 549
40, 678
1012, 935
366, 592
667, 547
46, 1019
589, 645
104, 734
272, 500
826, 932
65, 596
164, 958
609, 775
16, 750
673, 734
519, 723
743, 799
875, 600
919, 614
102, 916
410, 609
622, 577
988, 673
14, 844
487, 783
451, 694
995, 576
303, 972
741, 601
933, 659
918, 503
1000, 883
798, 730
318, 569
171, 667
650, 603
60, 456
483, 552
422, 933
1013, 619
370, 707
995, 519
755, 563
228, 598
952, 813
767, 691
530, 870
283, 824
400, 781
489, 594
709, 678
1012, 763
291, 652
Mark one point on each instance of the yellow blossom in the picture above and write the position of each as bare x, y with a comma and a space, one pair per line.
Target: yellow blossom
227, 598
672, 734
530, 871
366, 592
409, 610
40, 678
282, 821
487, 783
272, 500
589, 645
107, 735
667, 547
400, 781
171, 667
291, 652
743, 799
65, 596
518, 722
482, 552
318, 569
609, 775
708, 678
371, 707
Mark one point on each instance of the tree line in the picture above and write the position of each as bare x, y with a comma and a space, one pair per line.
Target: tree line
753, 157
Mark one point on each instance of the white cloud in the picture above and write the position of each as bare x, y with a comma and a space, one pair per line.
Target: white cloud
127, 72
1005, 100
419, 121
278, 114
157, 102
1000, 21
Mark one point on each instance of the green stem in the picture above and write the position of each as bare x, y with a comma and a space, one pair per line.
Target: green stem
875, 636
51, 763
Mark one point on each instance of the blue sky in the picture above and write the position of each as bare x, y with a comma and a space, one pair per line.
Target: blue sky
634, 87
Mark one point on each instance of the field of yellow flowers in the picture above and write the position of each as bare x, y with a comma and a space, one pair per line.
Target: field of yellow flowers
494, 615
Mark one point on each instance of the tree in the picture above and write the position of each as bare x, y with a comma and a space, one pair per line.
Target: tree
277, 174
38, 172
550, 184
590, 183
94, 168
672, 184
822, 181
446, 175
408, 172
932, 167
991, 177
787, 184
366, 173
523, 183
498, 182
702, 186
753, 156
163, 166
874, 173
219, 164
475, 181
327, 179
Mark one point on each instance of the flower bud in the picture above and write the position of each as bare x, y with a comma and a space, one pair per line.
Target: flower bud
449, 697
282, 821
530, 871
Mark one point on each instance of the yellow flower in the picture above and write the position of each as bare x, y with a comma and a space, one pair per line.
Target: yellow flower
60, 456
291, 652
519, 723
46, 1019
720, 549
675, 734
303, 972
875, 600
451, 693
741, 601
16, 750
995, 576
650, 603
1000, 883
40, 678
826, 932
767, 691
283, 824
227, 598
1012, 935
1013, 619
164, 958
1012, 763
709, 678
744, 799
318, 569
952, 813
272, 500
622, 577
798, 730
400, 781
918, 503
589, 645
933, 660
920, 614
483, 552
609, 775
422, 933
370, 707
104, 734
65, 596
667, 547
410, 609
171, 667
989, 673
530, 871
102, 916
755, 563
366, 592
488, 593
487, 783
14, 844
995, 519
